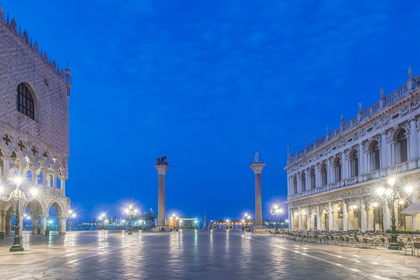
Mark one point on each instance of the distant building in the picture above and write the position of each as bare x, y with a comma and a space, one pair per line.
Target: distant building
34, 126
332, 184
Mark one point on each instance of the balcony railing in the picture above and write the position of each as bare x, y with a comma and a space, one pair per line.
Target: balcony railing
389, 171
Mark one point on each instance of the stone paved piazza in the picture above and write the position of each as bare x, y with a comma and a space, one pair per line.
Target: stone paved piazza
190, 254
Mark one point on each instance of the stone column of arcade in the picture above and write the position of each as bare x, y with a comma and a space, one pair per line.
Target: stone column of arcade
257, 167
161, 168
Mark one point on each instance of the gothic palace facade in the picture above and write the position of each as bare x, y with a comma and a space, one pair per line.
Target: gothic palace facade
332, 184
34, 128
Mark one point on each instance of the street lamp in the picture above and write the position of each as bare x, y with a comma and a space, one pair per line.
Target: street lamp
245, 219
276, 211
227, 224
130, 211
49, 226
195, 223
174, 221
72, 215
17, 194
388, 194
102, 218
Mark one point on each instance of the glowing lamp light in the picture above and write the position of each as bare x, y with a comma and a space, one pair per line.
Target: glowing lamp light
375, 204
408, 189
388, 192
34, 192
287, 220
18, 181
243, 221
401, 201
338, 208
391, 181
1, 190
380, 191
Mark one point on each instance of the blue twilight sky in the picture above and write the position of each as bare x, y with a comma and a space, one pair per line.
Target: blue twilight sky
208, 83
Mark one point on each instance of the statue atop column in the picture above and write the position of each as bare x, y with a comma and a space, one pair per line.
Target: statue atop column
257, 157
162, 161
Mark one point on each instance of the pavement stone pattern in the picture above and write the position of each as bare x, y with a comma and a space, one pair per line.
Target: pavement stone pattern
195, 254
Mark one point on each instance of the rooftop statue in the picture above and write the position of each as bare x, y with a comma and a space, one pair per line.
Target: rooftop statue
162, 161
360, 107
382, 91
410, 72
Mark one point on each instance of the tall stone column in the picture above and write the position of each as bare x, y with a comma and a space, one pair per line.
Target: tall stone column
62, 225
413, 144
414, 199
300, 219
34, 225
308, 219
257, 167
43, 224
318, 218
330, 217
345, 217
161, 168
291, 220
363, 214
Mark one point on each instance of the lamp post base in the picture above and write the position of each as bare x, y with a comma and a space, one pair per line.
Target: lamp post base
393, 246
17, 246
130, 233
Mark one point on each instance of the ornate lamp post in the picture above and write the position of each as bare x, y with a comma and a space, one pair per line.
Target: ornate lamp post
17, 195
276, 211
287, 222
387, 193
102, 218
72, 215
227, 224
245, 219
130, 211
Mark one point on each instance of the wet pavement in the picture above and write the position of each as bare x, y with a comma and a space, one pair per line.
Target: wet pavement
191, 254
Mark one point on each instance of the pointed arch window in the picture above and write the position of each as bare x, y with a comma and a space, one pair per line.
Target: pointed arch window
312, 175
354, 163
25, 101
324, 174
401, 147
303, 181
337, 169
375, 158
295, 185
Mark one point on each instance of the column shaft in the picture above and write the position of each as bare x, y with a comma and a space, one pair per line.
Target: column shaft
258, 204
161, 201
